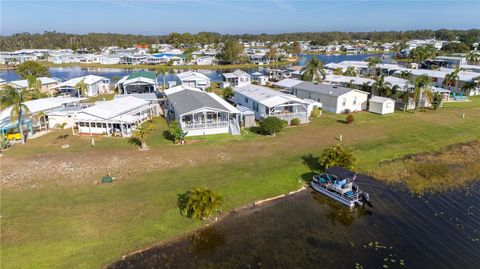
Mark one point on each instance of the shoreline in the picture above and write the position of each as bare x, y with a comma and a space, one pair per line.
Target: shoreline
165, 67
245, 209
265, 203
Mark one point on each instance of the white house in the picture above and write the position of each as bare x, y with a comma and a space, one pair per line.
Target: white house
47, 84
118, 117
138, 82
237, 78
94, 85
110, 59
381, 105
193, 79
201, 113
333, 98
43, 105
266, 102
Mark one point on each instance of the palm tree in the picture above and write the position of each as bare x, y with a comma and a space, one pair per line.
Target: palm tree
200, 203
350, 72
40, 118
141, 133
81, 88
314, 71
467, 87
420, 85
34, 87
452, 78
163, 72
10, 97
372, 64
406, 74
405, 97
366, 87
473, 57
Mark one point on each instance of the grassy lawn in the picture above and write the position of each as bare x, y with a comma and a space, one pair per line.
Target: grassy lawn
87, 225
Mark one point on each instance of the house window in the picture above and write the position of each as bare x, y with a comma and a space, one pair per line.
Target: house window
344, 101
354, 100
318, 99
82, 124
255, 106
99, 125
246, 100
309, 95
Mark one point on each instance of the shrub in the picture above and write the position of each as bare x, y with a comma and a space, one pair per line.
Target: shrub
199, 203
227, 93
338, 156
272, 125
175, 131
316, 112
346, 111
295, 121
349, 119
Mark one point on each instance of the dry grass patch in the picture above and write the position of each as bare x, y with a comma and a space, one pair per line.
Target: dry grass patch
452, 167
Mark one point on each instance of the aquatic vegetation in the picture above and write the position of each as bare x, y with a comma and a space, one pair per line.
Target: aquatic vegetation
452, 167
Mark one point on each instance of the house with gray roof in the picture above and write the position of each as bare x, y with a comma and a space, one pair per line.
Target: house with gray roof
201, 113
333, 98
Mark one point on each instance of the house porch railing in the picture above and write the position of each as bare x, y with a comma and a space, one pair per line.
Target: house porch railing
203, 125
290, 116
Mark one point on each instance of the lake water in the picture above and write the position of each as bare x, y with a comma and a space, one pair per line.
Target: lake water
65, 73
307, 230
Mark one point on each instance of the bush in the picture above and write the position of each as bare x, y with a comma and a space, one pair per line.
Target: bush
272, 126
349, 119
338, 156
295, 121
175, 131
346, 111
316, 112
227, 93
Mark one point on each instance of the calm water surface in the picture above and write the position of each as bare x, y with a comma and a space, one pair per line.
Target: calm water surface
65, 73
307, 230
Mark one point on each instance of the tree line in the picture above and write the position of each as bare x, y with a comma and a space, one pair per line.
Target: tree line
94, 41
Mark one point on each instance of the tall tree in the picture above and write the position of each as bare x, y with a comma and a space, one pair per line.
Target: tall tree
372, 64
350, 72
30, 68
232, 52
81, 88
421, 84
314, 71
473, 56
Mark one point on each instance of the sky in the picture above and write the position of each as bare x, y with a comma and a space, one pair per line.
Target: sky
158, 17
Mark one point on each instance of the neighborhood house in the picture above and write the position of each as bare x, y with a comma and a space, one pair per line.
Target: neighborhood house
266, 102
201, 113
333, 98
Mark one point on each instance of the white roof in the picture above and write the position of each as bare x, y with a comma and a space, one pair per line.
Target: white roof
40, 105
89, 80
379, 99
287, 83
400, 82
190, 75
266, 96
24, 83
462, 75
347, 79
111, 109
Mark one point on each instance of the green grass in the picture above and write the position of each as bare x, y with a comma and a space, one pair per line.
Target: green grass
88, 225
